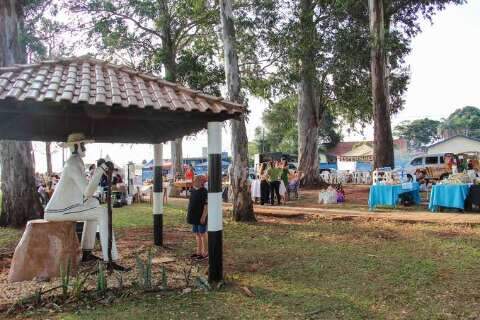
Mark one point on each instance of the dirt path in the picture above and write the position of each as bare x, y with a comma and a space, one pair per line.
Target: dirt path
329, 213
351, 214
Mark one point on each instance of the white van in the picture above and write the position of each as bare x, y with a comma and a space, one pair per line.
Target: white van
434, 161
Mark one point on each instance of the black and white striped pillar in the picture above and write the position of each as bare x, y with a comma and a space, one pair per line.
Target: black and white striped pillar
215, 217
158, 194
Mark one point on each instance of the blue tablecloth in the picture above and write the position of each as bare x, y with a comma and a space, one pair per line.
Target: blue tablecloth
387, 195
448, 195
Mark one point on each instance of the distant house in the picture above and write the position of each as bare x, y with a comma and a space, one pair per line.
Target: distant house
456, 144
358, 155
360, 158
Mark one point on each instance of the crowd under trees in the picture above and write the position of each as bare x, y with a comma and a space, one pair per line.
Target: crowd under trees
313, 61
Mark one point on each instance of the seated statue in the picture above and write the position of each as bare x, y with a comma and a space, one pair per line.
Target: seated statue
73, 199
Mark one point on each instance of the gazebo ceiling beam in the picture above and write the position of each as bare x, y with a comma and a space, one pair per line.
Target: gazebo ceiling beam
94, 112
154, 130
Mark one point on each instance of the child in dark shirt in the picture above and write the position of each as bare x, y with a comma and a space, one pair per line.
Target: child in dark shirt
197, 217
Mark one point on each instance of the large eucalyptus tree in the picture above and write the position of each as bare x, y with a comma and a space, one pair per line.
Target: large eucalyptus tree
20, 201
320, 51
242, 201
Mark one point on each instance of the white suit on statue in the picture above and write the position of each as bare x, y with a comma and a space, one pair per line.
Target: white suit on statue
72, 201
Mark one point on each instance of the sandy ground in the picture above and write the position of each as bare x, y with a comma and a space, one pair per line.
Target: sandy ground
132, 242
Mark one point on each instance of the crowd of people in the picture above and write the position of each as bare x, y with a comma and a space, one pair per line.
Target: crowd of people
276, 182
45, 184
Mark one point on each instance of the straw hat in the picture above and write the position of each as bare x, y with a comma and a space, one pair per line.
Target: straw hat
75, 138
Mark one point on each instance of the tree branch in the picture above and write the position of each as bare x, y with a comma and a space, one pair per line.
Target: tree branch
121, 15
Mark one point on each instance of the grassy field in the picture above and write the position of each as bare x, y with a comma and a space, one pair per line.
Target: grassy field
9, 237
301, 269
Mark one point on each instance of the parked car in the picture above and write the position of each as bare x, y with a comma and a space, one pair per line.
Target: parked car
433, 164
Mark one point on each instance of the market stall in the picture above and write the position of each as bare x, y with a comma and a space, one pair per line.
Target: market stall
385, 194
183, 185
448, 196
451, 192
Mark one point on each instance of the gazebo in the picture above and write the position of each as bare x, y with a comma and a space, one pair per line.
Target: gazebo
49, 100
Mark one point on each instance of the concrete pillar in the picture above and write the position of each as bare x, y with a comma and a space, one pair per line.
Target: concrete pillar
158, 194
215, 216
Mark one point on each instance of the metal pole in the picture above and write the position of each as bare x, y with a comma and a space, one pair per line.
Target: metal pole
263, 140
215, 216
158, 194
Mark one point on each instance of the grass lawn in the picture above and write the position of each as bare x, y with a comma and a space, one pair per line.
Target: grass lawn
9, 237
320, 269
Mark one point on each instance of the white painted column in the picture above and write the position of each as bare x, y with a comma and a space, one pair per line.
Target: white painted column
158, 194
215, 215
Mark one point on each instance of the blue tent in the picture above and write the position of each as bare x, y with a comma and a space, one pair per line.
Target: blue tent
147, 171
202, 168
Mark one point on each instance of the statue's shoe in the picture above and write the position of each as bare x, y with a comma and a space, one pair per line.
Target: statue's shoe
89, 256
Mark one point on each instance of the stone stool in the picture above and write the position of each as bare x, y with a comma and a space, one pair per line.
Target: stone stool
44, 249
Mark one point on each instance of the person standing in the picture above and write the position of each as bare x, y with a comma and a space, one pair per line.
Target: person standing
189, 173
197, 217
264, 185
273, 174
284, 178
166, 189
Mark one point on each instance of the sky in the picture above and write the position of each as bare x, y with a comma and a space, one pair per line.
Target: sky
444, 76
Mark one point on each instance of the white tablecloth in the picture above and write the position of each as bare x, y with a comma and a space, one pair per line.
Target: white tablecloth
255, 189
283, 189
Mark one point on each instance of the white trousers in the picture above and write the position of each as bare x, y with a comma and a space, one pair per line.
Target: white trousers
93, 218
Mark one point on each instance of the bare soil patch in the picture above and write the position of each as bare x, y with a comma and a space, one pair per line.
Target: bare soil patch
131, 242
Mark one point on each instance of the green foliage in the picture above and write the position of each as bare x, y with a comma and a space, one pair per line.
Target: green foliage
175, 38
44, 34
65, 277
280, 120
101, 278
464, 121
144, 271
199, 71
422, 132
253, 148
281, 124
78, 285
273, 37
419, 132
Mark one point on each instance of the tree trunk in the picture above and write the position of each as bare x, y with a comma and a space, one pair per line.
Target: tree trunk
383, 141
20, 202
308, 110
170, 66
242, 200
48, 154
